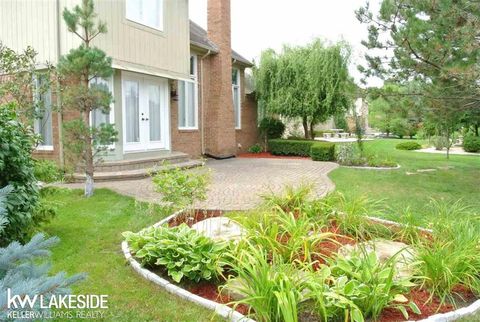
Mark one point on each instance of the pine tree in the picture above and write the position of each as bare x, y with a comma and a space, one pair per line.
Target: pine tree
77, 69
21, 272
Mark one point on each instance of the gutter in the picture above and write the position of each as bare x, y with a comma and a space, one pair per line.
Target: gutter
202, 117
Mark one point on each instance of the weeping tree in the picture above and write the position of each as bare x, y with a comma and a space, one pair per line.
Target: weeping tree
311, 83
434, 43
77, 70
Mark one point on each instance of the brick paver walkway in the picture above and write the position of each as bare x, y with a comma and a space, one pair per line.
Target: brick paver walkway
237, 183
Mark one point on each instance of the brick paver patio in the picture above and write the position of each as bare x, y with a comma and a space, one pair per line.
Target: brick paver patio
237, 183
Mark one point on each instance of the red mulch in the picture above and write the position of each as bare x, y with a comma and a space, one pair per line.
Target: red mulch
268, 155
330, 247
199, 216
420, 297
210, 292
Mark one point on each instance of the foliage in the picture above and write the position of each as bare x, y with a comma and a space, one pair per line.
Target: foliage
290, 147
18, 87
181, 187
47, 171
16, 170
256, 148
351, 216
291, 199
436, 45
77, 70
340, 121
371, 285
439, 142
271, 128
182, 251
3, 208
22, 269
450, 257
410, 145
471, 143
271, 288
311, 83
350, 155
323, 151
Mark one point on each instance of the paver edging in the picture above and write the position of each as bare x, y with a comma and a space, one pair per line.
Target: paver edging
220, 309
234, 316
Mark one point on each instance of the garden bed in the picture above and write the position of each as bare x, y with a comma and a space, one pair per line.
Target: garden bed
206, 293
268, 155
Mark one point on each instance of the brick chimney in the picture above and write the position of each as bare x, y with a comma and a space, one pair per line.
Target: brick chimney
220, 120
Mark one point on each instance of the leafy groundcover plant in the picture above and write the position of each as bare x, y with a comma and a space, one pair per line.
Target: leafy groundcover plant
181, 251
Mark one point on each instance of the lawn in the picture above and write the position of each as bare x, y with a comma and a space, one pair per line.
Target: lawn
90, 232
457, 178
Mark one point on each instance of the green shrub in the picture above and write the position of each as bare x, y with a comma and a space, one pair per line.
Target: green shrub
47, 171
410, 145
439, 142
271, 128
290, 147
181, 251
181, 187
471, 143
323, 151
256, 148
16, 170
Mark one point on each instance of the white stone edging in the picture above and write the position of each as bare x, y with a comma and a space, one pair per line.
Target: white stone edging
371, 168
234, 316
220, 309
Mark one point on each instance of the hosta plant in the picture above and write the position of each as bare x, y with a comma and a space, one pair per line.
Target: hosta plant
181, 251
371, 284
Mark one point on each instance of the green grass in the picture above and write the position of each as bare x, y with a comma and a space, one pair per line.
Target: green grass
399, 190
90, 232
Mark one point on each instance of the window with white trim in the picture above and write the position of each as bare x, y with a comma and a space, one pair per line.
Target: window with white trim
237, 103
188, 99
99, 116
43, 113
145, 12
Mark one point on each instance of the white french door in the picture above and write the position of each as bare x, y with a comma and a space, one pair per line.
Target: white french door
145, 113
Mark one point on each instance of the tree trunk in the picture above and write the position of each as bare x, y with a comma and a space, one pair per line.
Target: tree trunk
448, 144
476, 129
89, 168
312, 131
305, 126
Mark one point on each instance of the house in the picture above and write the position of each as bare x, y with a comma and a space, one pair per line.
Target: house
178, 89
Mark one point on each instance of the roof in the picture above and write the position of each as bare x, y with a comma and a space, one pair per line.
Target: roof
199, 38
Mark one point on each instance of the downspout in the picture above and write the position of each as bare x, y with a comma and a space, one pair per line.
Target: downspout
202, 115
59, 98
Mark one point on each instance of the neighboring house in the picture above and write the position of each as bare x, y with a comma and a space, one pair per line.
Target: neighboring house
176, 87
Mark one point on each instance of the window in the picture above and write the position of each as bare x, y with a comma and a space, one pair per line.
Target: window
43, 113
188, 99
146, 12
98, 116
237, 105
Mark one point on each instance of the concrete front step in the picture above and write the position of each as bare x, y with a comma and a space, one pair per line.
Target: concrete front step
141, 163
137, 173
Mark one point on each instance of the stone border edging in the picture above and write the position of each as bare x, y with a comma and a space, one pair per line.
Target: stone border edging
234, 316
371, 168
220, 309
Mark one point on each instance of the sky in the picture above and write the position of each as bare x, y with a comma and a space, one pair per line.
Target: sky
261, 24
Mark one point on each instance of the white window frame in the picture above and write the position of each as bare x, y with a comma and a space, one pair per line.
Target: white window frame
141, 21
238, 118
111, 116
36, 127
194, 80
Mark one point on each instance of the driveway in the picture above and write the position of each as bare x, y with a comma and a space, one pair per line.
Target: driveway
236, 184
